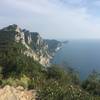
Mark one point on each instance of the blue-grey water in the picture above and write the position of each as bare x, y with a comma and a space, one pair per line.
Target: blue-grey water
82, 55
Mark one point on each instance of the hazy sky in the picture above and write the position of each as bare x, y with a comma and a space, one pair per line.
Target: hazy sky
54, 18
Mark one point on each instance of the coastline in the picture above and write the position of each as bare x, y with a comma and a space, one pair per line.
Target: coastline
56, 50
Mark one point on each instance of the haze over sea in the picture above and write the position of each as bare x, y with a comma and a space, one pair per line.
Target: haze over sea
82, 55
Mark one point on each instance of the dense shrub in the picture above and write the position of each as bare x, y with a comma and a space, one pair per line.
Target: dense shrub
52, 83
92, 83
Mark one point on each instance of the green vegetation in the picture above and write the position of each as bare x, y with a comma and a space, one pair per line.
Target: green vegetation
52, 83
92, 83
53, 44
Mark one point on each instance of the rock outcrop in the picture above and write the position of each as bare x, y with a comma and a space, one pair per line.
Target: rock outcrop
18, 93
36, 47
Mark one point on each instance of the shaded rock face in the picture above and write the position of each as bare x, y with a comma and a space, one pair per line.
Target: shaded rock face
53, 46
36, 47
18, 93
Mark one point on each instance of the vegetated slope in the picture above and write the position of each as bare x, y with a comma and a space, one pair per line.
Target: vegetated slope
51, 83
53, 46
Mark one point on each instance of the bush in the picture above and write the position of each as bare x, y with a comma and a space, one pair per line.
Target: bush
55, 72
53, 83
92, 83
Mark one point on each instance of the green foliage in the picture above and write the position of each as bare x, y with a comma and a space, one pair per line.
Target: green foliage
55, 72
22, 81
92, 84
15, 63
53, 44
52, 83
53, 90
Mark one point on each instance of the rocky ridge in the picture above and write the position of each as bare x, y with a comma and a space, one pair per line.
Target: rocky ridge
36, 47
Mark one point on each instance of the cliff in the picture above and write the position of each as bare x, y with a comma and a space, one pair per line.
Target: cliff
35, 46
22, 78
53, 46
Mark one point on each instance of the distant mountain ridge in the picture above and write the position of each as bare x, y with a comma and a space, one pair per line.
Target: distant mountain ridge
53, 46
36, 47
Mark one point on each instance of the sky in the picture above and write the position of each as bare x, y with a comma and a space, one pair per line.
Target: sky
54, 19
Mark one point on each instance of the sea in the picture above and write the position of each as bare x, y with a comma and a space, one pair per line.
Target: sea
81, 55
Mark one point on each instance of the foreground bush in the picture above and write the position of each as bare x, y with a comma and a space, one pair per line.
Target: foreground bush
52, 83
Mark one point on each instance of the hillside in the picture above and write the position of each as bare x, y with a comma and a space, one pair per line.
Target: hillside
23, 57
34, 44
53, 46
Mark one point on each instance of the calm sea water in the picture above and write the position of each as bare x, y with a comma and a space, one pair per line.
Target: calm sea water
82, 55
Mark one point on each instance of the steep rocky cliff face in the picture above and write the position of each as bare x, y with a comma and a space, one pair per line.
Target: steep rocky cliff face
35, 46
